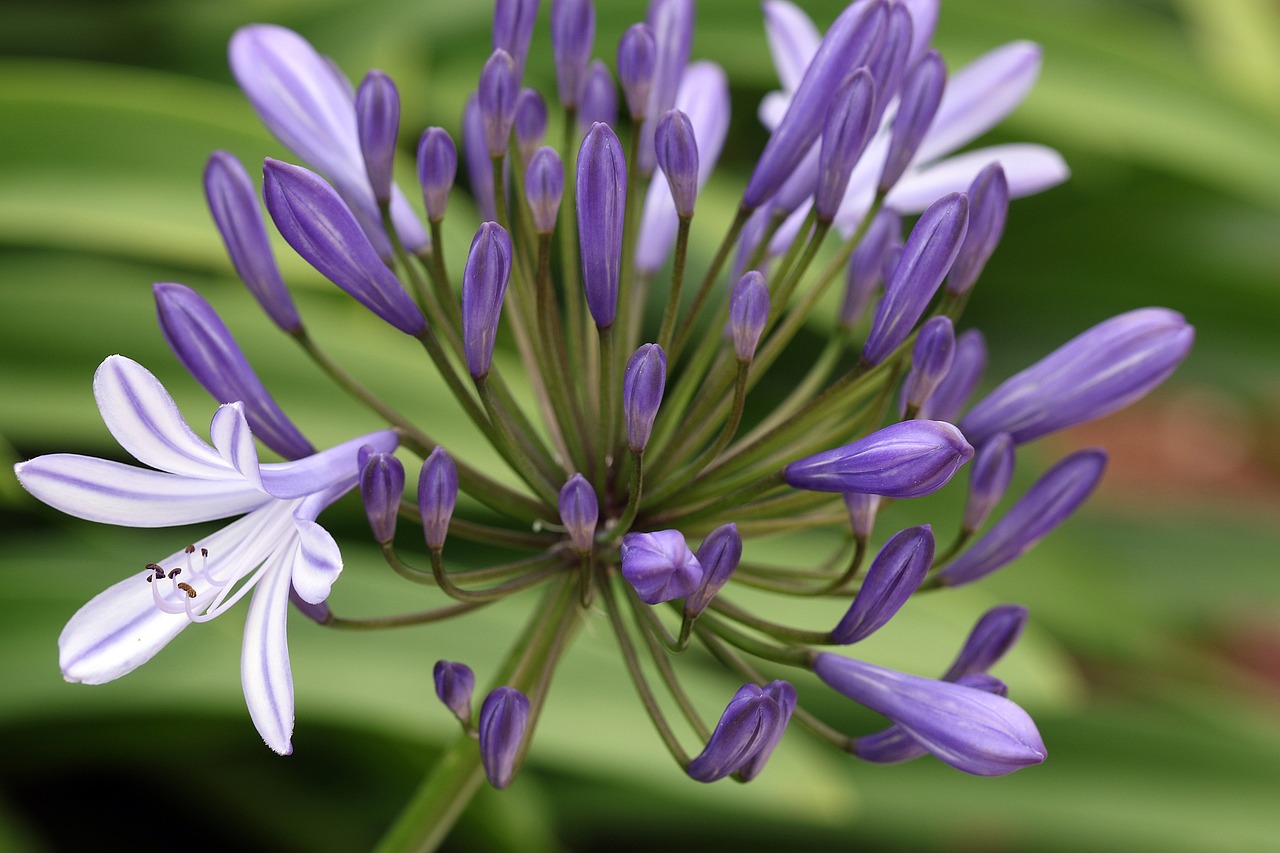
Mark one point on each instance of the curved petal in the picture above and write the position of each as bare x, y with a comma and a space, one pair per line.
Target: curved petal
264, 657
793, 40
234, 440
317, 562
336, 467
1028, 168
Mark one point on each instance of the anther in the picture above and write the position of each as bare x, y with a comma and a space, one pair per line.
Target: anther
191, 549
204, 552
173, 573
188, 589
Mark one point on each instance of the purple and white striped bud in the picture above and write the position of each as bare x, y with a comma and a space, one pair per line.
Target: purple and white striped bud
530, 122
866, 265
1104, 369
748, 723
862, 510
455, 684
988, 207
894, 745
234, 205
926, 257
643, 382
930, 361
991, 638
573, 31
660, 566
845, 133
504, 718
437, 169
904, 460
579, 512
598, 100
748, 314
988, 480
437, 496
637, 53
671, 22
602, 203
513, 29
971, 730
785, 695
484, 284
315, 221
544, 188
475, 150
677, 153
921, 94
381, 486
895, 574
204, 345
378, 124
1048, 503
496, 97
970, 360
719, 555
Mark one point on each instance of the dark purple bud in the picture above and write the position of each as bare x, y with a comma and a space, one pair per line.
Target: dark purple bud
926, 257
598, 100
531, 122
894, 576
660, 566
988, 479
234, 205
437, 169
637, 52
748, 314
513, 28
579, 512
642, 385
889, 62
930, 360
475, 151
381, 486
315, 221
1108, 367
845, 134
437, 496
991, 638
862, 513
894, 745
718, 555
866, 265
544, 188
785, 695
602, 202
988, 206
677, 153
573, 30
672, 24
318, 613
204, 345
970, 360
378, 123
903, 460
747, 724
484, 284
504, 717
455, 682
1048, 503
971, 730
921, 94
496, 97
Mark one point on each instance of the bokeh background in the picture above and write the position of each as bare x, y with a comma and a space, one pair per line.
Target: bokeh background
1153, 660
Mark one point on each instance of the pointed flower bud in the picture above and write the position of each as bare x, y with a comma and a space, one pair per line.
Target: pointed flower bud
642, 385
602, 202
573, 30
930, 361
531, 122
747, 724
748, 314
991, 638
513, 29
381, 485
895, 574
969, 729
988, 207
988, 479
677, 153
660, 566
544, 188
637, 52
437, 496
437, 169
315, 221
1048, 503
718, 555
921, 94
455, 682
579, 512
234, 205
866, 265
504, 718
378, 123
204, 345
484, 284
496, 97
1108, 367
894, 745
967, 366
785, 695
888, 64
903, 460
926, 257
862, 512
598, 100
845, 133
672, 24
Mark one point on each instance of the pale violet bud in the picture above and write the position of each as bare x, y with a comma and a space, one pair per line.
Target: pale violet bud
530, 122
845, 134
747, 724
484, 284
602, 202
637, 53
785, 695
894, 745
930, 361
475, 151
496, 98
643, 382
437, 169
513, 29
677, 153
748, 314
504, 719
904, 460
455, 683
894, 576
988, 207
988, 479
718, 555
573, 30
921, 94
544, 188
991, 638
660, 566
672, 24
381, 486
378, 123
579, 512
970, 360
862, 510
866, 265
888, 64
598, 100
437, 496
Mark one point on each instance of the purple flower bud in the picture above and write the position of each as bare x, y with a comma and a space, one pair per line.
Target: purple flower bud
484, 284
926, 257
544, 188
318, 613
204, 345
234, 205
455, 682
894, 576
930, 360
921, 94
637, 52
677, 153
378, 123
315, 221
1104, 369
513, 28
1048, 503
579, 512
660, 566
991, 638
797, 189
785, 695
748, 314
718, 555
437, 169
381, 485
894, 745
504, 717
888, 64
747, 724
602, 202
845, 134
866, 265
437, 496
969, 729
573, 29
475, 151
531, 122
903, 460
988, 206
970, 360
862, 512
988, 479
671, 22
598, 100
496, 97
642, 385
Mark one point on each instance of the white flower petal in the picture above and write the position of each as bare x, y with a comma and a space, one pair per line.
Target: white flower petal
234, 440
1028, 168
335, 467
264, 657
793, 40
773, 107
317, 562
